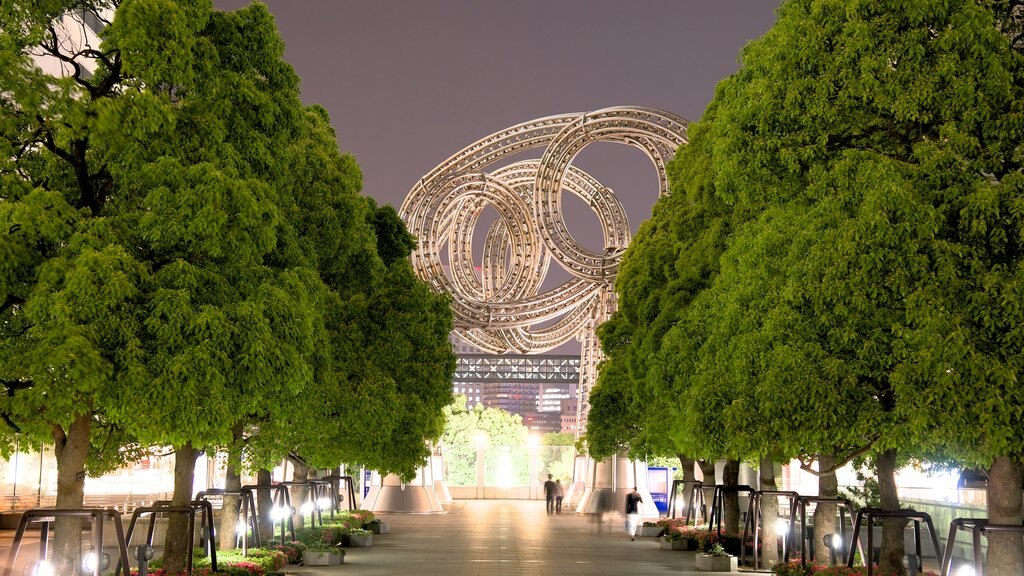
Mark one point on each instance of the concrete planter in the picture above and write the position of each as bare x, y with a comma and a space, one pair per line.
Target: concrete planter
678, 544
649, 531
360, 540
709, 563
377, 527
313, 558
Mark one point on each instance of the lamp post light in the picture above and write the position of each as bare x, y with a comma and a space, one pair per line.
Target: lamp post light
40, 568
834, 543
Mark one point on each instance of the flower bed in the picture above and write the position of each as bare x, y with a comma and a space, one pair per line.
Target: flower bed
796, 569
259, 562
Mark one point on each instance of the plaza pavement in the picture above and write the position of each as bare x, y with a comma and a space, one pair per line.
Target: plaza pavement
494, 538
506, 538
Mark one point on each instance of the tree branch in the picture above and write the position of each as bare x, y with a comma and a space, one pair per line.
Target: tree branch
805, 465
53, 49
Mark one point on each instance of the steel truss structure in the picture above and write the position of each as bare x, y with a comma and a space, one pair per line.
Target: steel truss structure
501, 309
487, 369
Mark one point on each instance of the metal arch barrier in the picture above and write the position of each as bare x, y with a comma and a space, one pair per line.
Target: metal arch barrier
164, 507
696, 498
501, 309
844, 506
324, 488
870, 514
718, 502
350, 491
45, 516
248, 511
978, 527
752, 522
279, 497
979, 568
312, 494
970, 524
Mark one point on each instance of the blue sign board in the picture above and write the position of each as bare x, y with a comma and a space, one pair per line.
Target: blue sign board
659, 481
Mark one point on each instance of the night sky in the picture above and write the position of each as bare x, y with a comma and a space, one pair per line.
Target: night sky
409, 83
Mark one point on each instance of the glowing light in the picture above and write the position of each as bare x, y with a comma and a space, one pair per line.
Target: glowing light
41, 568
307, 507
324, 503
965, 570
505, 470
834, 541
278, 513
781, 526
89, 562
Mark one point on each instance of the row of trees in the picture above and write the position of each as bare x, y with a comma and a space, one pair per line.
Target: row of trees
186, 260
838, 270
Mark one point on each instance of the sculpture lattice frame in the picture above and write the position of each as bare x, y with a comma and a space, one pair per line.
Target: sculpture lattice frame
500, 309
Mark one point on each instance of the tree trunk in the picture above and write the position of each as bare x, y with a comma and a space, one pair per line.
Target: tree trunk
232, 483
265, 502
769, 514
71, 450
300, 492
178, 543
825, 514
707, 470
731, 501
891, 559
1005, 555
689, 475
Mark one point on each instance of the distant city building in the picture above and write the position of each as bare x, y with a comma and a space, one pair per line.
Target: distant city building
536, 385
569, 419
543, 422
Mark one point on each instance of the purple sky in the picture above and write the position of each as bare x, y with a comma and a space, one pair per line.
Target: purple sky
409, 83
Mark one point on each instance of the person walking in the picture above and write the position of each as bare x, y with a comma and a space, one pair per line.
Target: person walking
559, 494
602, 501
549, 494
633, 501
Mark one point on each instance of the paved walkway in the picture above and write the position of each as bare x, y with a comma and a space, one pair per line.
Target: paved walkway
493, 538
505, 538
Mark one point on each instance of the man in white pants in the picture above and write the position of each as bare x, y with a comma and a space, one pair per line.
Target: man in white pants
633, 501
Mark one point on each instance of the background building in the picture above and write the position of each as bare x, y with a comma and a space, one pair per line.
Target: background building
538, 386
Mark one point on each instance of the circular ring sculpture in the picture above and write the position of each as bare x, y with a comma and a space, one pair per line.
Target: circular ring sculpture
500, 308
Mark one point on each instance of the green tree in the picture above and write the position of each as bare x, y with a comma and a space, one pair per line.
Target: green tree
862, 285
467, 430
874, 284
186, 252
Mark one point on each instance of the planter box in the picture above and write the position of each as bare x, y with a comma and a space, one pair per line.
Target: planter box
709, 563
649, 531
360, 540
678, 544
377, 527
311, 558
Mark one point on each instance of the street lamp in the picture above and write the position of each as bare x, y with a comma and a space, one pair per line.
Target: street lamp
834, 543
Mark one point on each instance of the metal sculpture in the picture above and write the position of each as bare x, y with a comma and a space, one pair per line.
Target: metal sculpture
500, 308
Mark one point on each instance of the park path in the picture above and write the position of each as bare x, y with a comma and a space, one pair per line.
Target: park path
490, 538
